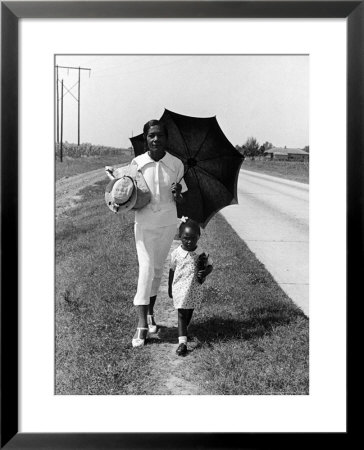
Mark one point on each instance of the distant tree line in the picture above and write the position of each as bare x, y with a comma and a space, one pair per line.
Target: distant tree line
86, 149
252, 149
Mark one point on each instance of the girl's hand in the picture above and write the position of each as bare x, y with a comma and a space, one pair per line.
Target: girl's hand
201, 276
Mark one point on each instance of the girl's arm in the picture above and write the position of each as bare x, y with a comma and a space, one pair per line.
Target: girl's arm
170, 280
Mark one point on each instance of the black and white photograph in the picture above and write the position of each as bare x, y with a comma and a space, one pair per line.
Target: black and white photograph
181, 224
181, 206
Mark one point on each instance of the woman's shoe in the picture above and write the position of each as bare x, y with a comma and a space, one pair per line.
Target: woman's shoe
138, 341
151, 326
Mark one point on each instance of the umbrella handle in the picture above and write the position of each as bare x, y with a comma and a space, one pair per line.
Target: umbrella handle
178, 182
183, 175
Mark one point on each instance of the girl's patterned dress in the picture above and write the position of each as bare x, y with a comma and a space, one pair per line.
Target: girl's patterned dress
187, 291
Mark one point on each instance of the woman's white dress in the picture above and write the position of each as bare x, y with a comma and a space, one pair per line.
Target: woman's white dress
156, 224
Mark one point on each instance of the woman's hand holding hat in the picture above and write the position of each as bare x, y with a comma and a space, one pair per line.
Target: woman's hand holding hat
127, 189
121, 194
109, 172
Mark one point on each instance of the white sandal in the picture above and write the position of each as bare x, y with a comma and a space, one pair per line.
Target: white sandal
151, 327
138, 341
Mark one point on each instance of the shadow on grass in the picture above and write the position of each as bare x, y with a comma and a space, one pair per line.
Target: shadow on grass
258, 322
164, 335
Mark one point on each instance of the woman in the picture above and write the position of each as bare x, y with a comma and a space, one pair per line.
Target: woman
156, 223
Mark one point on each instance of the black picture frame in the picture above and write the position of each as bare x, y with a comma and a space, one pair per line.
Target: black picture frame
11, 12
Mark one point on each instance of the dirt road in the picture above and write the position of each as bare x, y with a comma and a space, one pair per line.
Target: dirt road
67, 189
164, 354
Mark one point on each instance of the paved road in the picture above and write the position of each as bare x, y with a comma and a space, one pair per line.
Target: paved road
272, 217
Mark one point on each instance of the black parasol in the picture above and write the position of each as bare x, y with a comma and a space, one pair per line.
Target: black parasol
211, 163
138, 144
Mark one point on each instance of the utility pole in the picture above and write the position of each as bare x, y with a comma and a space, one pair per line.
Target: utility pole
57, 112
61, 149
79, 102
78, 99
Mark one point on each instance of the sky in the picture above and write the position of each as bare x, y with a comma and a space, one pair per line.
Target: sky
264, 96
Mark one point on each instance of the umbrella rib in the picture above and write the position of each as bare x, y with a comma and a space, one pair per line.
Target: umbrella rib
185, 173
199, 187
183, 139
200, 147
207, 173
218, 157
211, 176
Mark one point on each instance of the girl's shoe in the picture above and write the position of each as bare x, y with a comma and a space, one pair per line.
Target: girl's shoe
182, 349
139, 341
151, 326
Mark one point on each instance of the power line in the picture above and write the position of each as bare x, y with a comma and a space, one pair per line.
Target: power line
78, 99
100, 74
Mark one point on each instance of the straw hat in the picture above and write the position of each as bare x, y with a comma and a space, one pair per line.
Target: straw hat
121, 194
128, 190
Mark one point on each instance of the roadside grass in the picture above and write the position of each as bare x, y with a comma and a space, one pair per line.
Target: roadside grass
96, 274
251, 338
292, 170
74, 166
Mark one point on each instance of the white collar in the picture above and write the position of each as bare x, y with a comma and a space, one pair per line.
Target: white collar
184, 253
145, 159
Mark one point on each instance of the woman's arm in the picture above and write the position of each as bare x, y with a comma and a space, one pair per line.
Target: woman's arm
170, 281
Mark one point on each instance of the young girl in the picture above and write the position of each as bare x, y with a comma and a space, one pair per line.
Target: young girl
188, 270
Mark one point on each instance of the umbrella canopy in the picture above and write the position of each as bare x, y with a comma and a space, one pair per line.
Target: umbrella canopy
211, 163
138, 144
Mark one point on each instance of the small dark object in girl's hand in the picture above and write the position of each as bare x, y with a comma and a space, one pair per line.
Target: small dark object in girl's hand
201, 266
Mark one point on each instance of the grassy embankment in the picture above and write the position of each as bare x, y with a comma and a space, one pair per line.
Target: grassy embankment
87, 157
253, 339
291, 170
75, 166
